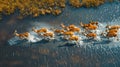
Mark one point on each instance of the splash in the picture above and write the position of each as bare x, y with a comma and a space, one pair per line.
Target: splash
33, 38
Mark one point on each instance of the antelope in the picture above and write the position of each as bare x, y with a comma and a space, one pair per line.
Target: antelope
42, 30
109, 31
112, 34
48, 34
24, 35
91, 35
72, 26
68, 33
59, 31
91, 27
94, 23
112, 30
84, 25
113, 27
74, 38
76, 29
65, 27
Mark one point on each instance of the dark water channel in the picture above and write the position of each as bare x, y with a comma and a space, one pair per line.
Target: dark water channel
45, 56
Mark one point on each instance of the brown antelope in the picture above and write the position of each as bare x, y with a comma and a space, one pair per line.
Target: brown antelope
84, 25
112, 34
89, 26
74, 38
76, 29
109, 31
94, 23
72, 26
113, 27
91, 35
59, 31
68, 33
65, 27
112, 30
24, 35
48, 34
42, 30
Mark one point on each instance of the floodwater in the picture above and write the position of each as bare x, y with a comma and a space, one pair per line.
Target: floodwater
47, 54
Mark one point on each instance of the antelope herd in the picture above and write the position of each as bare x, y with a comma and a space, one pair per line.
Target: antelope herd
72, 32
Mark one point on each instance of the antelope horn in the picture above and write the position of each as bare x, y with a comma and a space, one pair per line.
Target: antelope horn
81, 24
62, 25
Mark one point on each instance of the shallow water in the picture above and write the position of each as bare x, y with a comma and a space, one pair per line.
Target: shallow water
48, 54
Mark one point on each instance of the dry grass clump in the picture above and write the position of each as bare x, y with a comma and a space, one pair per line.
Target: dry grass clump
86, 3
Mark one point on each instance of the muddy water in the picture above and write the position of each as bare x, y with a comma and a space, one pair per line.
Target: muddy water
89, 56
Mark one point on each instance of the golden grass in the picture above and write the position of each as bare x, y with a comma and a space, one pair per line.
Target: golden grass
86, 3
31, 7
35, 8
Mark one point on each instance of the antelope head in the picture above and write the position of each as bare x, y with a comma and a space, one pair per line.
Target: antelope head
62, 25
15, 33
53, 29
67, 28
108, 26
33, 29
